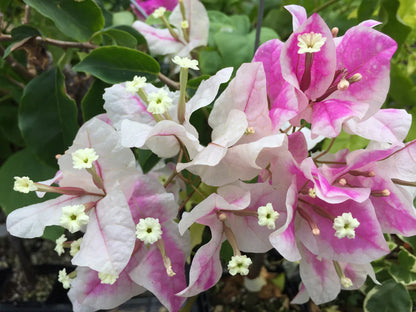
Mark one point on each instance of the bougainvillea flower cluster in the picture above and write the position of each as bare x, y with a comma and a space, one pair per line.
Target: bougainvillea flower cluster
328, 212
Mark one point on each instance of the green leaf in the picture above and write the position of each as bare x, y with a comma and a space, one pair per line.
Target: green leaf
47, 116
402, 88
366, 9
77, 19
119, 37
123, 18
20, 35
92, 103
8, 124
391, 296
118, 64
345, 140
139, 37
147, 159
407, 11
405, 270
209, 62
411, 240
393, 25
22, 163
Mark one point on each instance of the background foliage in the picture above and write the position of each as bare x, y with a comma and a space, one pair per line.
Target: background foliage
58, 56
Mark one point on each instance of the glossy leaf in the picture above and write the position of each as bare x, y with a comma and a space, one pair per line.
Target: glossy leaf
118, 64
390, 296
92, 103
47, 116
405, 270
119, 37
78, 20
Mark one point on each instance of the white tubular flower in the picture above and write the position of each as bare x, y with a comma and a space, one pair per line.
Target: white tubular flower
159, 102
136, 84
185, 62
184, 24
267, 216
75, 247
64, 279
346, 282
158, 13
344, 225
149, 230
107, 278
24, 185
310, 42
73, 217
239, 264
59, 248
83, 158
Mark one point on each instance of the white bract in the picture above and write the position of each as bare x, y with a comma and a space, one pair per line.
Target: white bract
75, 247
136, 84
73, 217
185, 62
24, 185
83, 158
149, 230
59, 248
239, 264
310, 42
345, 225
159, 102
64, 279
267, 216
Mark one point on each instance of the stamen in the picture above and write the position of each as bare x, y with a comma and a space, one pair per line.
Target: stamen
334, 31
355, 78
222, 216
311, 223
345, 281
342, 182
166, 260
402, 182
356, 173
250, 130
343, 84
380, 193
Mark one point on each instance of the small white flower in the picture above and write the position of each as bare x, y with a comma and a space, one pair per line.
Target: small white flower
75, 247
24, 185
158, 13
239, 264
107, 278
310, 42
346, 282
73, 217
64, 279
184, 24
136, 84
83, 158
149, 230
159, 102
267, 216
59, 248
185, 62
344, 225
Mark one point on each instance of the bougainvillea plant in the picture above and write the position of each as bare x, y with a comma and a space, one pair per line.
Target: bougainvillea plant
247, 153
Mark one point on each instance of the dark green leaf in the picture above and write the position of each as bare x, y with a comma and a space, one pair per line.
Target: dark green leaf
47, 116
139, 37
119, 37
8, 124
405, 270
92, 103
366, 9
402, 88
24, 31
22, 163
390, 296
147, 159
118, 64
209, 62
393, 25
77, 19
